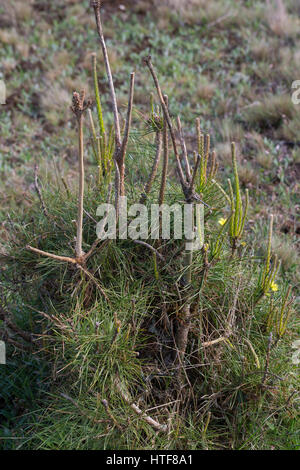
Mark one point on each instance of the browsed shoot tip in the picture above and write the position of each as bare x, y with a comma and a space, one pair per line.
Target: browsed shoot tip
96, 3
147, 59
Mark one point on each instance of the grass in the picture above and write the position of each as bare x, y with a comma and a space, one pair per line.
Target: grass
87, 342
82, 340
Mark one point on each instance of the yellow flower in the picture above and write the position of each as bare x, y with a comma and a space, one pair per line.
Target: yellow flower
222, 221
274, 287
243, 243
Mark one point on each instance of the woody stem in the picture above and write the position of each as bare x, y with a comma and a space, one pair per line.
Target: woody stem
78, 248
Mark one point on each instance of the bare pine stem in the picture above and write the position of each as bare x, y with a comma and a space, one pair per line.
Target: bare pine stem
183, 148
78, 248
120, 146
94, 280
195, 171
184, 324
182, 334
188, 191
78, 109
148, 62
96, 4
166, 158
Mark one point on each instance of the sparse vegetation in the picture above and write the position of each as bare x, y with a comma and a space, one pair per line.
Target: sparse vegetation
120, 345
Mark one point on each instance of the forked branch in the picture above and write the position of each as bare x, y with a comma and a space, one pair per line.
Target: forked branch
148, 62
188, 191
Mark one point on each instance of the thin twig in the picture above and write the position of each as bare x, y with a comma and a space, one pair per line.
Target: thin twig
182, 335
78, 262
51, 255
166, 158
148, 62
5, 316
83, 413
111, 416
78, 108
94, 246
7, 339
141, 242
89, 216
90, 276
188, 192
184, 151
39, 193
214, 341
72, 261
161, 406
125, 396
